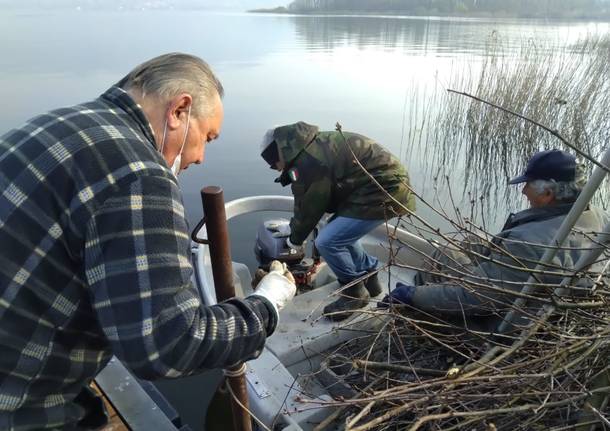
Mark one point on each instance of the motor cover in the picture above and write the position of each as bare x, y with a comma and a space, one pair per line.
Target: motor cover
269, 247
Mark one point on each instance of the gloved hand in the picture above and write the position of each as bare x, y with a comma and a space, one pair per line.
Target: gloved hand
277, 286
258, 276
295, 249
401, 295
280, 228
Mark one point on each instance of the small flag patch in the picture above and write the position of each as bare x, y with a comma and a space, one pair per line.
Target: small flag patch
293, 174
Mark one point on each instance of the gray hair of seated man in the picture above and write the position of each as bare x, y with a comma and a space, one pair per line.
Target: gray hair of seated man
564, 191
172, 74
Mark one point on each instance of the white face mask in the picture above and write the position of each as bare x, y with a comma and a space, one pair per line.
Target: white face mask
178, 160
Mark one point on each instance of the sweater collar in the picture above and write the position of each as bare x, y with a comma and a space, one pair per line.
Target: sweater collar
123, 100
536, 214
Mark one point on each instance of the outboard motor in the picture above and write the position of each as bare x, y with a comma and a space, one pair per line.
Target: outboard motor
271, 245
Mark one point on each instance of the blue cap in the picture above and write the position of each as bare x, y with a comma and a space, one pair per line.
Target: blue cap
548, 165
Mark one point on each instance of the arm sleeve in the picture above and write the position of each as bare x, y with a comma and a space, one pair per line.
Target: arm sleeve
308, 210
138, 270
312, 194
467, 298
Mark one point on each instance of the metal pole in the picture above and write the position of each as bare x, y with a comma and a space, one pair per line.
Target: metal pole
212, 199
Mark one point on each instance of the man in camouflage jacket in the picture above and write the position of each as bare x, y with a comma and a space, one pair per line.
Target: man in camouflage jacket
323, 171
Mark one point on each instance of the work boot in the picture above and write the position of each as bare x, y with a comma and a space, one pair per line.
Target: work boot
352, 298
373, 285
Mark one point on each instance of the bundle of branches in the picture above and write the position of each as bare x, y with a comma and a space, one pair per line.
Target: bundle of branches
534, 355
421, 371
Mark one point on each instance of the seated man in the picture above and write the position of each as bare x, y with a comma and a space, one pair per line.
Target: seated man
325, 178
479, 284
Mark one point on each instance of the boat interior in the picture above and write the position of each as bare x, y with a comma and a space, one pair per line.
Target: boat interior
292, 363
291, 366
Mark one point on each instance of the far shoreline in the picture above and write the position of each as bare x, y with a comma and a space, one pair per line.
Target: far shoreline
282, 10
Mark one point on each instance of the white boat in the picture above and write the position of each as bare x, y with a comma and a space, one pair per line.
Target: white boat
274, 386
291, 370
274, 379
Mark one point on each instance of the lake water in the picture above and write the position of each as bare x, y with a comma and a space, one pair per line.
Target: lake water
360, 71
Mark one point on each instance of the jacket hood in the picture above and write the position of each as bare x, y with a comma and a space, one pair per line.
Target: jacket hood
293, 138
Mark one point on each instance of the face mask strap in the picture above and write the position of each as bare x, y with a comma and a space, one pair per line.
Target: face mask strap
188, 120
176, 166
186, 131
163, 138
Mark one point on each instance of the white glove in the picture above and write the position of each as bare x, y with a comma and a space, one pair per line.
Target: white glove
277, 286
280, 228
295, 249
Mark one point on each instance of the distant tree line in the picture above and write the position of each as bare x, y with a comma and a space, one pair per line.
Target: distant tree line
513, 8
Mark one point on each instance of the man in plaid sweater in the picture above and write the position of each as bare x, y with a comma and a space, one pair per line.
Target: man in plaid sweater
95, 256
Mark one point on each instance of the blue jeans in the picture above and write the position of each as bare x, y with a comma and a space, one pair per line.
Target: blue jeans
339, 245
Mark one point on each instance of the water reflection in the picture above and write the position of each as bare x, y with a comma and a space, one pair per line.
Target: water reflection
328, 33
523, 61
379, 76
429, 35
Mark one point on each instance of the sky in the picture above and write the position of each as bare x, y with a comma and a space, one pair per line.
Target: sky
237, 5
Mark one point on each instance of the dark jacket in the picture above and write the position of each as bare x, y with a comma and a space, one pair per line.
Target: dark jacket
325, 178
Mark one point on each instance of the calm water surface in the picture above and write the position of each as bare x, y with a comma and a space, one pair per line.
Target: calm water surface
275, 69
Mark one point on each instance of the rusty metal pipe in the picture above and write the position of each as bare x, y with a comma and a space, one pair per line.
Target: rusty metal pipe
212, 199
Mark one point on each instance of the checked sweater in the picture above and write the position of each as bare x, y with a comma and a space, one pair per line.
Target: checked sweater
95, 261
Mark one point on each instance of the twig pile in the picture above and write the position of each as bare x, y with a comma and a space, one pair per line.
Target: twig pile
549, 371
541, 384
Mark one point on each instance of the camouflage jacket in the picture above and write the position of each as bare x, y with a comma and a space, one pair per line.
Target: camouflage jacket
325, 178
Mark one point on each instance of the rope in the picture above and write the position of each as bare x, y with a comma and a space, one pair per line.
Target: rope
235, 372
244, 407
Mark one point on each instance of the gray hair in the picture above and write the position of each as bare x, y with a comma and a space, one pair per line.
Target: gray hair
564, 191
171, 74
